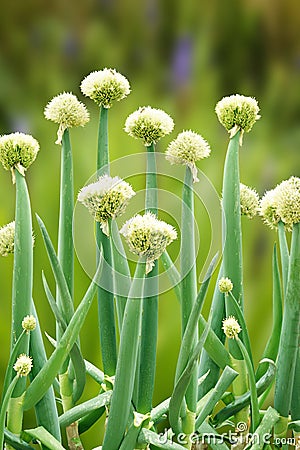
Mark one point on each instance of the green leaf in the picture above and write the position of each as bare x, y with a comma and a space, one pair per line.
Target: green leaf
42, 435
15, 441
45, 378
82, 410
4, 407
95, 373
172, 273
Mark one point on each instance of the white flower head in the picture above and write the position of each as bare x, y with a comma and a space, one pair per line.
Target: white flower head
288, 201
225, 285
18, 150
105, 86
231, 327
186, 149
23, 365
106, 199
148, 124
29, 323
249, 201
148, 237
268, 208
7, 239
66, 110
237, 112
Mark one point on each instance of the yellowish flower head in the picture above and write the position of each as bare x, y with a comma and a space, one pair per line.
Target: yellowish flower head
23, 365
237, 111
288, 201
231, 327
7, 239
18, 150
249, 201
106, 199
225, 285
66, 110
105, 86
188, 148
149, 124
268, 208
148, 237
29, 323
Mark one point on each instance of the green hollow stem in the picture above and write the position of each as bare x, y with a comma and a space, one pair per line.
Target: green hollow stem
4, 406
23, 269
264, 429
217, 313
295, 404
289, 339
147, 359
126, 365
232, 233
105, 291
188, 271
284, 254
255, 417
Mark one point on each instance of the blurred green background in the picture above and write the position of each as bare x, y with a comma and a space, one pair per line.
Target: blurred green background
181, 56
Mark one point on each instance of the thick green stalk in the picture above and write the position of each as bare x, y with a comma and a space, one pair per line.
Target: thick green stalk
289, 340
284, 254
147, 364
295, 405
23, 269
105, 296
4, 406
188, 271
126, 365
264, 429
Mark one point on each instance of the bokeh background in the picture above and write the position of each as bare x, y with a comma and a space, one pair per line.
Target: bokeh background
181, 56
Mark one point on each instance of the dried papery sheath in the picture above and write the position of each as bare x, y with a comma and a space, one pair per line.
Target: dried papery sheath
231, 327
66, 110
105, 86
237, 112
249, 199
18, 150
29, 323
7, 239
23, 365
188, 148
106, 199
148, 124
148, 237
288, 201
225, 285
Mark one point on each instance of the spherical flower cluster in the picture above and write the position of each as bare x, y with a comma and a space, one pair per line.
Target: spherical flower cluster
23, 365
106, 199
149, 124
186, 149
268, 209
18, 150
237, 112
7, 239
249, 201
231, 327
105, 86
225, 285
282, 203
66, 110
148, 237
29, 323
